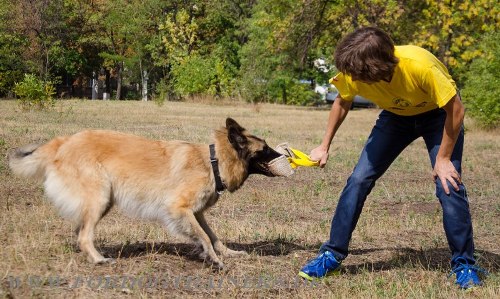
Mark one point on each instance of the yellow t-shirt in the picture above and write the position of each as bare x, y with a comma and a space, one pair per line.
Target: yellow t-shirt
420, 83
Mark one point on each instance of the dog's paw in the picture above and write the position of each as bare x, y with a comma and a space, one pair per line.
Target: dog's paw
104, 261
234, 253
217, 266
226, 252
203, 255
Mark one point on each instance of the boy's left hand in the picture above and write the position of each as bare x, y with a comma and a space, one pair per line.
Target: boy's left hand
445, 171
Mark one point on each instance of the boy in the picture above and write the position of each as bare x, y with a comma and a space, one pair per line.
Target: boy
419, 99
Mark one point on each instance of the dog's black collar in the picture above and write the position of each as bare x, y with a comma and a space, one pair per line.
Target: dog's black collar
219, 185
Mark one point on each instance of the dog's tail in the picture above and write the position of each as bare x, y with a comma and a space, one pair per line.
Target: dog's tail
24, 162
31, 160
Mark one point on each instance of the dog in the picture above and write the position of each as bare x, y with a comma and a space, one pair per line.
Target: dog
173, 182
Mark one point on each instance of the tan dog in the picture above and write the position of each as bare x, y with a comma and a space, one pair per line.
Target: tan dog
173, 182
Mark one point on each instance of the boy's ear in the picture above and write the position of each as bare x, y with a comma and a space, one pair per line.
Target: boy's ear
235, 135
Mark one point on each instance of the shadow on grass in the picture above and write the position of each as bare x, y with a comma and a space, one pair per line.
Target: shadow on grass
278, 247
430, 259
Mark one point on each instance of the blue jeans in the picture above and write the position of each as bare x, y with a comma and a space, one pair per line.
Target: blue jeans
391, 134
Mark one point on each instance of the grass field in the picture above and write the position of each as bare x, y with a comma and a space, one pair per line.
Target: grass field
398, 249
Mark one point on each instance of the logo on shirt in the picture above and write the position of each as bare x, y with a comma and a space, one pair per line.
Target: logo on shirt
400, 104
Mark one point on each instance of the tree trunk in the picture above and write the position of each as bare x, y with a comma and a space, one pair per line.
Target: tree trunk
145, 86
95, 87
283, 94
119, 81
144, 82
107, 88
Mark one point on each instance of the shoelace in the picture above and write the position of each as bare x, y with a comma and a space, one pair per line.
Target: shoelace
466, 268
322, 260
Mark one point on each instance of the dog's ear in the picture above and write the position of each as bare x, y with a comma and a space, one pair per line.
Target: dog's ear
235, 135
231, 123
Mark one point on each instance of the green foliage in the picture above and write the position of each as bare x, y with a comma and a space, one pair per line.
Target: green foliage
161, 93
255, 49
199, 46
266, 72
451, 29
296, 93
482, 93
12, 66
202, 75
7, 80
180, 34
65, 59
194, 75
285, 38
34, 93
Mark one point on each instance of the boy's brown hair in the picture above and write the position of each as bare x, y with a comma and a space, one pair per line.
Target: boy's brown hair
367, 54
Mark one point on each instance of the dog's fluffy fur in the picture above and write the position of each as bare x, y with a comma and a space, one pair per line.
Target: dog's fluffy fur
169, 181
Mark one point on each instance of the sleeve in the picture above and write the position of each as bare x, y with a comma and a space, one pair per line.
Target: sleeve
440, 86
340, 81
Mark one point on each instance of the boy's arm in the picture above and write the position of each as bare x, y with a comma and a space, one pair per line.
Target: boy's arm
339, 111
444, 169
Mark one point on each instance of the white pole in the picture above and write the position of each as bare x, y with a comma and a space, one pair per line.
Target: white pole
144, 86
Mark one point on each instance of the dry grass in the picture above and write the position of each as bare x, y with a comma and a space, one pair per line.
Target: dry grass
398, 249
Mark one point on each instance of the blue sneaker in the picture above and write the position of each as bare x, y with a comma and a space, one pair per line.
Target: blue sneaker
466, 274
323, 265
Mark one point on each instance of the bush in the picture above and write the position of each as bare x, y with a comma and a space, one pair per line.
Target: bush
34, 93
8, 78
194, 76
292, 92
301, 94
164, 91
481, 91
283, 90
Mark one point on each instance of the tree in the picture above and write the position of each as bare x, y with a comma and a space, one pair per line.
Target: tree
284, 42
45, 39
12, 66
44, 25
481, 93
263, 50
117, 34
200, 42
450, 29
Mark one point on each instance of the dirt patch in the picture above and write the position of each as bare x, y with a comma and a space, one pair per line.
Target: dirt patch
399, 208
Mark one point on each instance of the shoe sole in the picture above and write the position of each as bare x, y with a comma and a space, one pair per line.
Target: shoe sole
470, 287
311, 278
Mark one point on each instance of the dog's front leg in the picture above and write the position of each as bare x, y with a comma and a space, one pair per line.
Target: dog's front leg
218, 245
199, 233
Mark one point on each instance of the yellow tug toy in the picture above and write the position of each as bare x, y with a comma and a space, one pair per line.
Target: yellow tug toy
295, 157
301, 159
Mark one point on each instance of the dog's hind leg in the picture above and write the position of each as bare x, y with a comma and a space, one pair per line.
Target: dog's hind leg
198, 233
95, 208
217, 244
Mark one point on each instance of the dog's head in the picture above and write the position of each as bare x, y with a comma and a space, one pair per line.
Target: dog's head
253, 150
